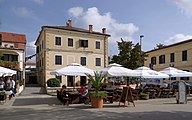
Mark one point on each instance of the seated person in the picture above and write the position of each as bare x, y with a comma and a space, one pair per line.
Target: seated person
82, 89
63, 91
64, 95
83, 96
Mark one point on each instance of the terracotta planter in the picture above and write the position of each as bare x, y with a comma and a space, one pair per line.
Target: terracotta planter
96, 102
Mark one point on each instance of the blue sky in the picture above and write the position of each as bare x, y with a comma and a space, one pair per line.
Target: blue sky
160, 21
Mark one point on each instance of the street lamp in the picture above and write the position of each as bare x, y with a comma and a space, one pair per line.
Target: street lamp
141, 36
141, 62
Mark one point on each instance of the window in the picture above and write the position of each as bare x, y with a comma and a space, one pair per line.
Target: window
42, 44
58, 41
97, 45
172, 57
184, 55
153, 60
58, 60
59, 78
83, 43
83, 80
83, 61
70, 42
162, 59
9, 57
70, 81
37, 49
98, 62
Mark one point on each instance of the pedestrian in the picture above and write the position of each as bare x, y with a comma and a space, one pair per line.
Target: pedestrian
13, 86
2, 84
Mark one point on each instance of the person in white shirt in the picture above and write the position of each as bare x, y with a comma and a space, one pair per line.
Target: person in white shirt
2, 84
13, 87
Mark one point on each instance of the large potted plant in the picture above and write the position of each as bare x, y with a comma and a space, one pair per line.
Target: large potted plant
97, 95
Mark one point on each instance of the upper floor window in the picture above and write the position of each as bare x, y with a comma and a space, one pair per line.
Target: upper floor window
172, 57
83, 43
98, 62
58, 60
184, 55
162, 59
70, 42
37, 50
97, 45
153, 60
58, 41
83, 61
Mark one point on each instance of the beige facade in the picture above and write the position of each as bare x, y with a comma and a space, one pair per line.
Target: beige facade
58, 46
176, 55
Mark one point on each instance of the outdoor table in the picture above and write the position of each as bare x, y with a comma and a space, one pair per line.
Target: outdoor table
165, 92
74, 97
151, 92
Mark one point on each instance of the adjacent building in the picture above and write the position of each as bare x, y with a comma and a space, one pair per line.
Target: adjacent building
12, 52
58, 46
177, 55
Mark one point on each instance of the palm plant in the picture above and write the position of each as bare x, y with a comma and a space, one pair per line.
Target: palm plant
97, 83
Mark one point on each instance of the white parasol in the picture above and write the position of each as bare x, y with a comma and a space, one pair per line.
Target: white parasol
117, 70
73, 69
146, 72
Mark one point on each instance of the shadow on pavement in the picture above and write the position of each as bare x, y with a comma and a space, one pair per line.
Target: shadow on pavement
95, 114
36, 101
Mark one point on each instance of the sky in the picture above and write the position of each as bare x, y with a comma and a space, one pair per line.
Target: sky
160, 21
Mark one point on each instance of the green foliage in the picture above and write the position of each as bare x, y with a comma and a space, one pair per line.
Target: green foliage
144, 96
99, 94
53, 82
2, 93
97, 83
130, 55
158, 46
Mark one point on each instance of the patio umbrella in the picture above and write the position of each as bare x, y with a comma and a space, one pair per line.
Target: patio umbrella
117, 70
146, 72
73, 69
6, 71
173, 72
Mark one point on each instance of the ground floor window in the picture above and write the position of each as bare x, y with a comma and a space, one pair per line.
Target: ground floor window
70, 81
83, 80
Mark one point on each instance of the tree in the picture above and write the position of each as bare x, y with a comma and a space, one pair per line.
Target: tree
158, 46
130, 55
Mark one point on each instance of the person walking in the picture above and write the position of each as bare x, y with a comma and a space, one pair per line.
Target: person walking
13, 86
2, 84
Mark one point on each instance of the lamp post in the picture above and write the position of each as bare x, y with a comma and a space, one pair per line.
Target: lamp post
141, 36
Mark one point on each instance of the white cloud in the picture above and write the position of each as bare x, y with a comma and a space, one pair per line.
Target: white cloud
178, 38
184, 5
40, 2
92, 16
31, 50
23, 12
75, 12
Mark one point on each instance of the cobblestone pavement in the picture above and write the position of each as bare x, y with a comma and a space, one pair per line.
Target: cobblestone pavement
33, 104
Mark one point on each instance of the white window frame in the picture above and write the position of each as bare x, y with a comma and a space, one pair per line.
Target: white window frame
86, 60
100, 44
73, 42
61, 58
55, 40
95, 62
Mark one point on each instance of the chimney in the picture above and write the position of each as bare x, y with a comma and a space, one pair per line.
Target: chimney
104, 30
69, 23
90, 28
